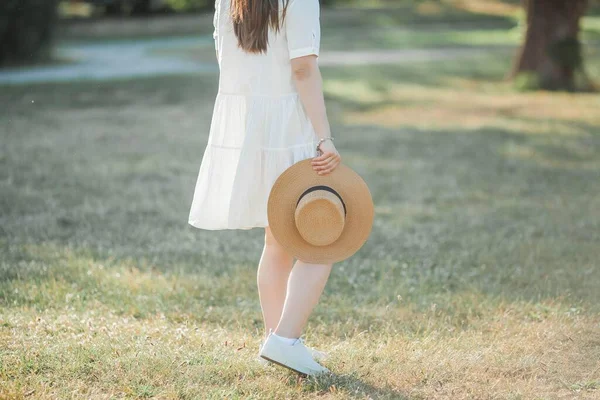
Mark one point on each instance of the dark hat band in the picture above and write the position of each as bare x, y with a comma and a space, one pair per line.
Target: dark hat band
326, 188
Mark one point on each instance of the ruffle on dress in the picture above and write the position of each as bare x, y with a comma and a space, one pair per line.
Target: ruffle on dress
252, 140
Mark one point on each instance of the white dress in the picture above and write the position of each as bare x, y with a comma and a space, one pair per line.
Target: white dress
259, 127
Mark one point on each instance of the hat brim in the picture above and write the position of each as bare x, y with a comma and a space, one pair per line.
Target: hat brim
282, 206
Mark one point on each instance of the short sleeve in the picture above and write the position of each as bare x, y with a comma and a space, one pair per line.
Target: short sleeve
303, 28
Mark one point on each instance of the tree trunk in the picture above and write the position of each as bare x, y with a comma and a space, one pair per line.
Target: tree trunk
551, 52
26, 30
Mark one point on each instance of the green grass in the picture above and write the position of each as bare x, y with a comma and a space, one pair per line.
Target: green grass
480, 279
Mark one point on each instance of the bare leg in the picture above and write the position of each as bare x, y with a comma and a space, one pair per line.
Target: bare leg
273, 273
305, 285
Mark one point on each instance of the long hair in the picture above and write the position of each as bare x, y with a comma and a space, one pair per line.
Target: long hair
252, 20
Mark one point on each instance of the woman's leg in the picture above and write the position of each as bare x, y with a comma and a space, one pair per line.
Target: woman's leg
305, 285
273, 273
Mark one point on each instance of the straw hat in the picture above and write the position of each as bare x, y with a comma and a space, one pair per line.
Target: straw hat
320, 219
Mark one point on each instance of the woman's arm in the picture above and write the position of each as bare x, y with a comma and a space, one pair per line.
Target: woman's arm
309, 83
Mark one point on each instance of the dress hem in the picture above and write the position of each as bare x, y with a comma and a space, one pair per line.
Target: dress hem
196, 224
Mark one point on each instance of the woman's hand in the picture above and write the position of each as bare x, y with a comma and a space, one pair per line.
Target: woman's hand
329, 159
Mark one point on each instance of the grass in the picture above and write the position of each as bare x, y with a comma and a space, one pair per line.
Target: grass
480, 279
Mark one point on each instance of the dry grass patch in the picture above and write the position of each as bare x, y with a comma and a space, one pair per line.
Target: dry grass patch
490, 7
511, 351
448, 108
559, 123
487, 7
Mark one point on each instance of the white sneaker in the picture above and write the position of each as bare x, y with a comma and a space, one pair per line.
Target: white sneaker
317, 355
295, 357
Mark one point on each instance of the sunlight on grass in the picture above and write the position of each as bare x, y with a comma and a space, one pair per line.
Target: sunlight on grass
470, 96
395, 38
528, 113
591, 23
406, 104
488, 37
436, 7
358, 90
576, 157
429, 8
491, 7
84, 347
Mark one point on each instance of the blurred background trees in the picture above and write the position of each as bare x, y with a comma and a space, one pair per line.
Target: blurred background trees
26, 30
551, 56
190, 5
141, 7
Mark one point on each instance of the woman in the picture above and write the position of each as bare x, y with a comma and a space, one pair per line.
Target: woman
269, 114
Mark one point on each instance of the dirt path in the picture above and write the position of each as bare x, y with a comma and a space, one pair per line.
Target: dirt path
140, 58
111, 60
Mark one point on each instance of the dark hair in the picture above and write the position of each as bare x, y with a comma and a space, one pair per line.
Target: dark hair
252, 20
